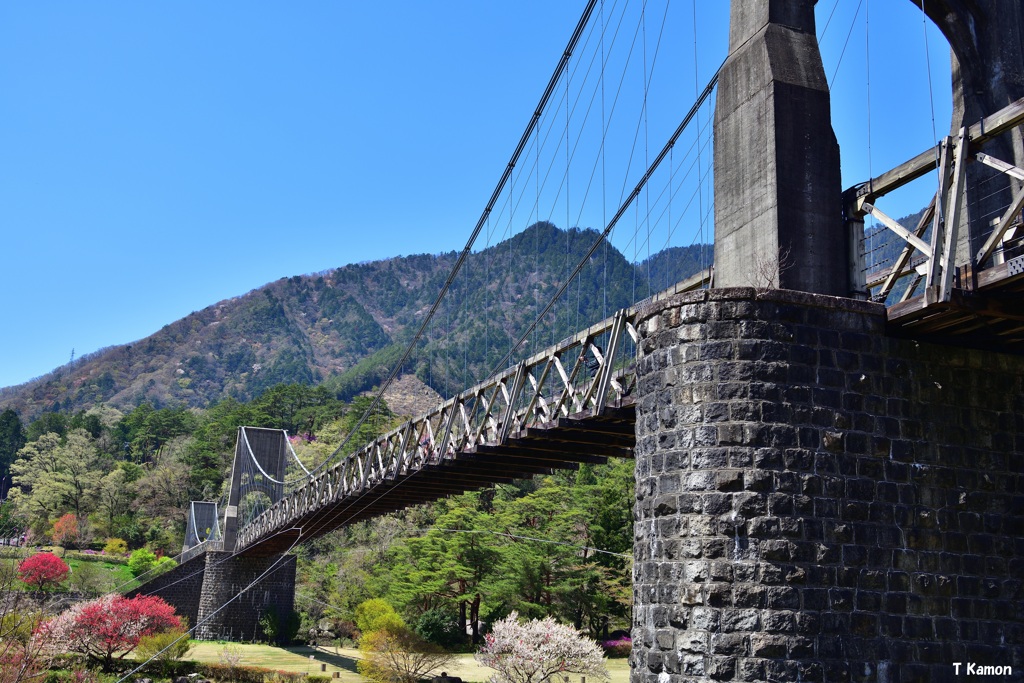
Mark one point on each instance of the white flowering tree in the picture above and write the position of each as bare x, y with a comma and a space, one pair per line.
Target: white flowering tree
534, 651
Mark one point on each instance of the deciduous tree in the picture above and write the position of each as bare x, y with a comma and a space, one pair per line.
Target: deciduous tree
65, 531
109, 627
22, 657
116, 546
535, 651
43, 570
117, 492
397, 655
377, 614
55, 476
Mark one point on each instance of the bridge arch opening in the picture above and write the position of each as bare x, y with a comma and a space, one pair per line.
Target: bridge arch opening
884, 114
984, 37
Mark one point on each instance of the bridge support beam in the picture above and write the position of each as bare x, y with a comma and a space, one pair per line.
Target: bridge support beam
778, 213
818, 501
225, 576
987, 42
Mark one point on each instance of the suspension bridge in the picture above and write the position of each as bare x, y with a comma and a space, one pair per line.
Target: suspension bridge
846, 455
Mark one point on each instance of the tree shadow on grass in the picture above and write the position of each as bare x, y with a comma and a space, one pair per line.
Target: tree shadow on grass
322, 655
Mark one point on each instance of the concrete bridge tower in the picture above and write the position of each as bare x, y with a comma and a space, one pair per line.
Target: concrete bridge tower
818, 500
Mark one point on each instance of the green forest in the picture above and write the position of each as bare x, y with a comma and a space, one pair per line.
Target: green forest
104, 455
557, 545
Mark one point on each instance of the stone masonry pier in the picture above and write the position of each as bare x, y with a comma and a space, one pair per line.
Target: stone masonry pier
818, 501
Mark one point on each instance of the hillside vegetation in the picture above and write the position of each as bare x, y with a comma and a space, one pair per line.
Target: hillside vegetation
346, 327
109, 451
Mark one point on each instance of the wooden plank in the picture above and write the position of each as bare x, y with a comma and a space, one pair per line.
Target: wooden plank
1001, 227
1000, 165
952, 222
904, 257
912, 287
995, 125
554, 451
912, 169
603, 427
580, 437
942, 199
893, 225
906, 309
907, 172
515, 456
994, 276
989, 306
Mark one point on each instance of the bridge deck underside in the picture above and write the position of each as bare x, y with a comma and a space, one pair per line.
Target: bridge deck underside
537, 450
989, 314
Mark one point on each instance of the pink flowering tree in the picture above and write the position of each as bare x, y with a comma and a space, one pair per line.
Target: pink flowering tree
109, 627
535, 651
43, 571
22, 658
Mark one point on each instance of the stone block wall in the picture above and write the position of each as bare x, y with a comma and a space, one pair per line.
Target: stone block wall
238, 619
202, 589
818, 501
180, 587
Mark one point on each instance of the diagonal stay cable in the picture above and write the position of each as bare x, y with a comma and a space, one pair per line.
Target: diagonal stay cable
615, 219
269, 570
527, 134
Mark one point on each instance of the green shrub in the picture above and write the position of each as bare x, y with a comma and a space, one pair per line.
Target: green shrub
235, 674
141, 561
283, 677
116, 546
165, 648
376, 614
95, 557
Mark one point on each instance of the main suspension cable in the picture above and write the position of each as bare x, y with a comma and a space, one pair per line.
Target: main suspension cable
527, 134
615, 219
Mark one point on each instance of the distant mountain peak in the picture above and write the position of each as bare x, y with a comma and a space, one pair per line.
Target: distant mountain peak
346, 327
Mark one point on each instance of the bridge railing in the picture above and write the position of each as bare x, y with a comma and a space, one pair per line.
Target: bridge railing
200, 548
893, 261
582, 375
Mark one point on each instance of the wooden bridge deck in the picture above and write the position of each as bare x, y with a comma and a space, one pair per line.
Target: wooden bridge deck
987, 312
540, 449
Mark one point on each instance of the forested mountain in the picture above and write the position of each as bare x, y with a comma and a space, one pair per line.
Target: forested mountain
346, 327
110, 450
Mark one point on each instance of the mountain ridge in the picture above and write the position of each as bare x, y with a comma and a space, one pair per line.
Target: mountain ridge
340, 327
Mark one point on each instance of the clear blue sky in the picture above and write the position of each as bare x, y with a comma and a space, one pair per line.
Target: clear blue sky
156, 158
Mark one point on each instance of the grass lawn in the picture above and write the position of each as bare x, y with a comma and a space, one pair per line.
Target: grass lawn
293, 659
114, 575
296, 659
103, 575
